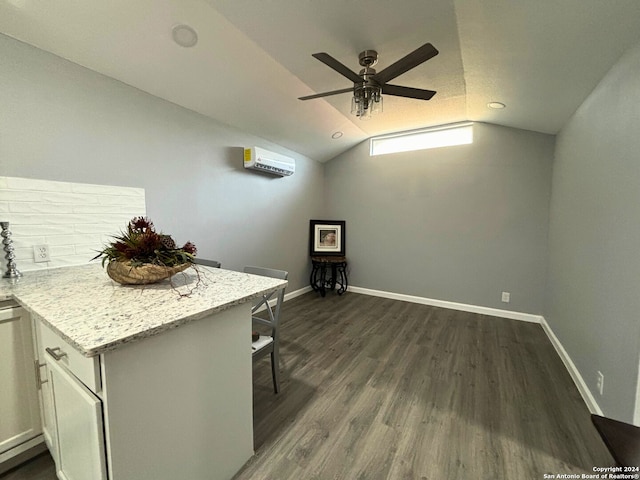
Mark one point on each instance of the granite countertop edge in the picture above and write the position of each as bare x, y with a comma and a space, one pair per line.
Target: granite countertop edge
86, 333
150, 332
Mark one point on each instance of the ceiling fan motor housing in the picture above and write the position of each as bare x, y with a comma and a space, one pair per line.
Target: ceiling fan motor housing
366, 74
367, 59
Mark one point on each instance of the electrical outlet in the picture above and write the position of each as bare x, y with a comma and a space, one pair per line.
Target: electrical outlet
506, 297
41, 253
600, 382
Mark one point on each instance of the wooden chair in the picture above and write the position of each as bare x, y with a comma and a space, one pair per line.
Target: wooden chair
269, 343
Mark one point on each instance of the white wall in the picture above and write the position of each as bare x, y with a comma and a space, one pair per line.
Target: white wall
594, 262
459, 224
62, 122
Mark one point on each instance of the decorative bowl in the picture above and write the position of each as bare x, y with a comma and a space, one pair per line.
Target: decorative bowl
125, 274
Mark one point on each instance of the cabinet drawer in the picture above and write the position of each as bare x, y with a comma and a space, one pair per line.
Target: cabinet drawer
86, 369
7, 304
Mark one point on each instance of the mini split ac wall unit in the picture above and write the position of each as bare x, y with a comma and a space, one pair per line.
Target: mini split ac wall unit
263, 160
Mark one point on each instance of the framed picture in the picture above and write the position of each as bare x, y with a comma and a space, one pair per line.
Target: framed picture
327, 237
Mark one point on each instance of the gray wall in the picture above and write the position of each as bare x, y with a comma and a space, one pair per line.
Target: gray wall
594, 264
59, 121
460, 224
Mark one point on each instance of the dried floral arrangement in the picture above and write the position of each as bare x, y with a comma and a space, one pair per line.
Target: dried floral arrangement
141, 245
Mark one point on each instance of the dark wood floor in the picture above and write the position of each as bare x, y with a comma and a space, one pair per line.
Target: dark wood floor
380, 389
38, 468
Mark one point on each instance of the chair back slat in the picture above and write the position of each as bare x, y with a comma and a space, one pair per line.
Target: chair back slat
206, 263
274, 318
267, 272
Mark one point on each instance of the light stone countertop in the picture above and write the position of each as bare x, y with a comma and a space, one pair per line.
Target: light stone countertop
95, 314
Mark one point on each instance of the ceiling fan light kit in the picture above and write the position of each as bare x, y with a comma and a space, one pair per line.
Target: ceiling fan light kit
368, 86
366, 102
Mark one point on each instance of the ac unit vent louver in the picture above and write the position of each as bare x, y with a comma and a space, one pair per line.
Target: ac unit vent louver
263, 160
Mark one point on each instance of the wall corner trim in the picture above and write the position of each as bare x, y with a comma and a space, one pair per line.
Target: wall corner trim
588, 398
494, 312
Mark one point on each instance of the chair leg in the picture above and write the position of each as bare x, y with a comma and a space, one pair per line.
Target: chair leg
275, 370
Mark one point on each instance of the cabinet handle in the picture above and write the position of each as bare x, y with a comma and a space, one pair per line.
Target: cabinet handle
56, 353
39, 380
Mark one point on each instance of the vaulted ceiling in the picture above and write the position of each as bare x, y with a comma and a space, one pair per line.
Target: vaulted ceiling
253, 58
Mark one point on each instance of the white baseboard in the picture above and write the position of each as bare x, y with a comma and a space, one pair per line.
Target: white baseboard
297, 293
13, 453
494, 312
588, 398
287, 297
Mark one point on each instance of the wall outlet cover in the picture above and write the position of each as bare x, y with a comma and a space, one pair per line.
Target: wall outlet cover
600, 382
41, 253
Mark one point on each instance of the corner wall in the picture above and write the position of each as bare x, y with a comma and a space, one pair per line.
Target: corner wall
459, 224
593, 289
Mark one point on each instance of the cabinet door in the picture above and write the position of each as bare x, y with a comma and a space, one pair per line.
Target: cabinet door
78, 416
19, 411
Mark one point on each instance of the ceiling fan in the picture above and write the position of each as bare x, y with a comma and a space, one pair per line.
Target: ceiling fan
369, 85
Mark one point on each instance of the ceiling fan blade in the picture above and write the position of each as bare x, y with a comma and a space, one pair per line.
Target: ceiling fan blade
408, 92
326, 94
415, 58
337, 66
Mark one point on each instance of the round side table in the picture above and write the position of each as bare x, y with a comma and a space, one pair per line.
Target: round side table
328, 273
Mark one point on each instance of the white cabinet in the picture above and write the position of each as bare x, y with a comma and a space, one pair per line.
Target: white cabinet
19, 411
78, 417
76, 426
175, 405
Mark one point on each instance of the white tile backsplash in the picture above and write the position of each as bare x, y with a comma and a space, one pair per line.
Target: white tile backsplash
74, 219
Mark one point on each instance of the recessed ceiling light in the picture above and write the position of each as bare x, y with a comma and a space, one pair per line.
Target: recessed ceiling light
336, 135
184, 35
496, 105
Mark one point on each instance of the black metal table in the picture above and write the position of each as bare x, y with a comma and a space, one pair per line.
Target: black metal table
328, 273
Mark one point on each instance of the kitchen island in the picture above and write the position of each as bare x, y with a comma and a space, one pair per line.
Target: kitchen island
141, 381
